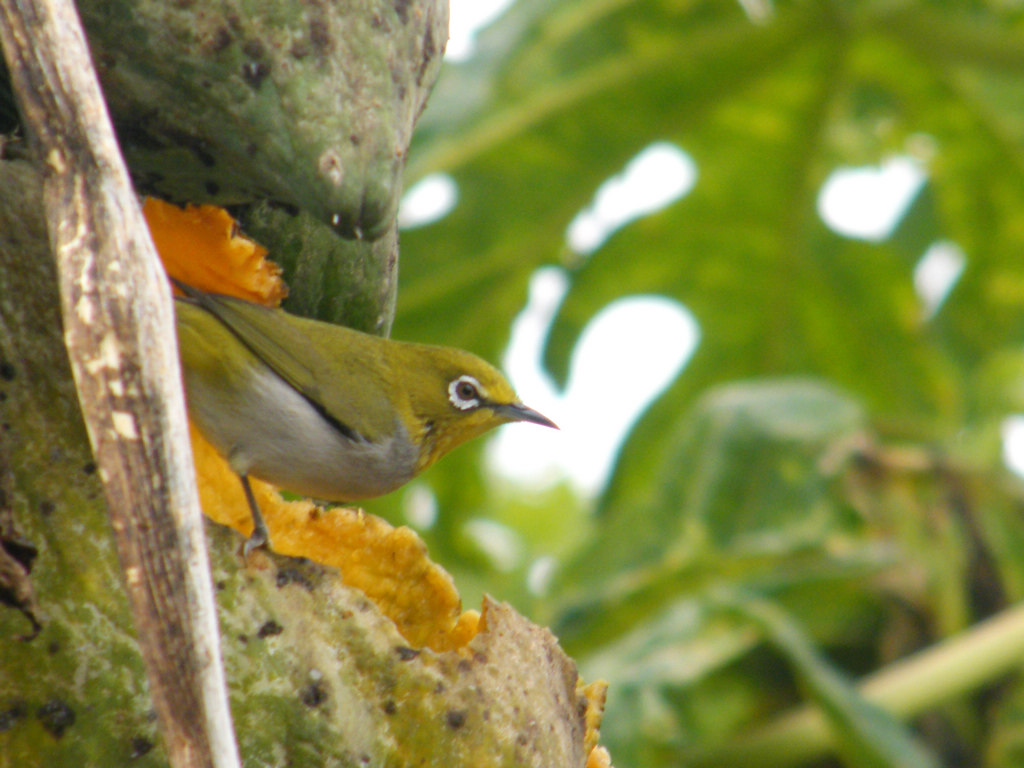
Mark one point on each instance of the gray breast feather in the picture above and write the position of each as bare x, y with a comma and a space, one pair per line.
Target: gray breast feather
277, 436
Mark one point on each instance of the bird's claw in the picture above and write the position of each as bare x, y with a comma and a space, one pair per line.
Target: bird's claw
258, 540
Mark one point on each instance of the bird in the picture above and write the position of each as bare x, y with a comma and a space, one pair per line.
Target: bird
327, 411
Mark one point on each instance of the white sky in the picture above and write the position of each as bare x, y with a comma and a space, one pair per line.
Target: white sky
467, 17
625, 357
867, 203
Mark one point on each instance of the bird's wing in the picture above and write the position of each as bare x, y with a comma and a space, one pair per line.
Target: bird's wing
344, 395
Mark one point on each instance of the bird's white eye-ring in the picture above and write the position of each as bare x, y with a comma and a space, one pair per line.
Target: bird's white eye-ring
464, 393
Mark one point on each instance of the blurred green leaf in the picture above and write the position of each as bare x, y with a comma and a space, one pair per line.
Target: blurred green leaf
834, 446
1006, 749
865, 734
749, 472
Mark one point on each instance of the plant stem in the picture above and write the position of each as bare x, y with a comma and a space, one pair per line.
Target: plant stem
905, 688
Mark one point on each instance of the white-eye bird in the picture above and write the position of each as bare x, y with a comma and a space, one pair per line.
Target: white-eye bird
327, 411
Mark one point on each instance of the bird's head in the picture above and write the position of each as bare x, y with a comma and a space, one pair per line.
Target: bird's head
456, 397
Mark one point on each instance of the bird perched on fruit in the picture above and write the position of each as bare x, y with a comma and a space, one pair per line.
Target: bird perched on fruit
327, 411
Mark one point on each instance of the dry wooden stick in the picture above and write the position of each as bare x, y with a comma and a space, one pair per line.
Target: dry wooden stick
118, 328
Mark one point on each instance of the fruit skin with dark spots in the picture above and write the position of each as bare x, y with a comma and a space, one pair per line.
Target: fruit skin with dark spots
269, 629
10, 716
314, 694
56, 716
155, 60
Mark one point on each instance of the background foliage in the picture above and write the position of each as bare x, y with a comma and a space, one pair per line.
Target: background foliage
821, 491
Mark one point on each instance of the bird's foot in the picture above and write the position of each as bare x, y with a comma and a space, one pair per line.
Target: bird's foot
258, 540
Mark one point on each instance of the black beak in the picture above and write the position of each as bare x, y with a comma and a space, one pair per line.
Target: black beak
519, 412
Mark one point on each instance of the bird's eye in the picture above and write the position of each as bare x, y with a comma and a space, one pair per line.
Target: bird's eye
464, 393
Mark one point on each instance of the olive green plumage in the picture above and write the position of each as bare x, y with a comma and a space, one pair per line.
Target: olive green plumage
327, 411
